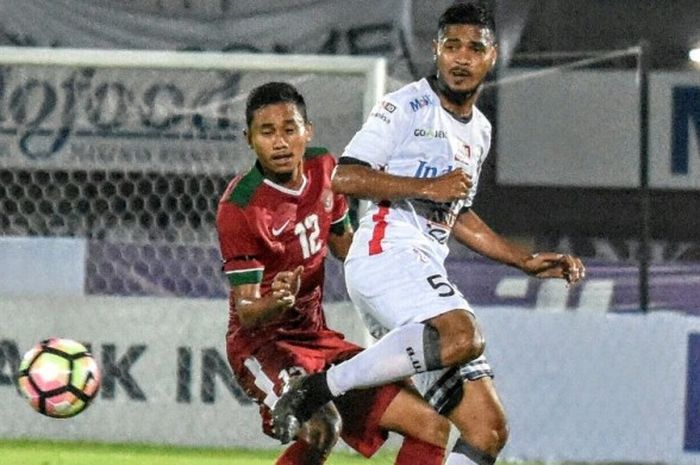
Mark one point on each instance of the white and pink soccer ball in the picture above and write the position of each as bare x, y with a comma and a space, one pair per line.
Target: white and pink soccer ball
59, 377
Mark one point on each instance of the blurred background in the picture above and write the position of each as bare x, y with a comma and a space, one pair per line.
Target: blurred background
110, 175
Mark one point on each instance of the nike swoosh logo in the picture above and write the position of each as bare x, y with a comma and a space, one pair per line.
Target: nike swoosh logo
278, 231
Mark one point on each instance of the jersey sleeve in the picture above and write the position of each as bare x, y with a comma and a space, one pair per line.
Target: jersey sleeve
383, 131
340, 216
340, 213
240, 251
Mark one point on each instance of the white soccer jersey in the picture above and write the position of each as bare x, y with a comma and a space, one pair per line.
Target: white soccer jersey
410, 134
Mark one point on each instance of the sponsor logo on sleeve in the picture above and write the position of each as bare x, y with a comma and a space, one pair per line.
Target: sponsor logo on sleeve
381, 116
390, 107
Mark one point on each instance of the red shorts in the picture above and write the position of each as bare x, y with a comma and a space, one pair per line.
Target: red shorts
264, 373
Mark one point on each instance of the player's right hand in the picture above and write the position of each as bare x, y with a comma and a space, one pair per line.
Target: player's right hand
285, 286
448, 187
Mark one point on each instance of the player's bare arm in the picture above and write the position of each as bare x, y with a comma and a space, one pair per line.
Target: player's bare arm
255, 310
340, 243
471, 231
366, 183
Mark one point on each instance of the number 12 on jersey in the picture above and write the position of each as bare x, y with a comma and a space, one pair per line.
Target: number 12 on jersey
308, 231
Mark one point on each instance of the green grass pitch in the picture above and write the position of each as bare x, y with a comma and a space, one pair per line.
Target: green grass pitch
34, 452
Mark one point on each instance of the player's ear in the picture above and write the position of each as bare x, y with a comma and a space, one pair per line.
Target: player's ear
435, 49
309, 131
246, 134
494, 56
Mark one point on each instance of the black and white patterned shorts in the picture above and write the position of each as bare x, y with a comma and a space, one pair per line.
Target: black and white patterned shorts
443, 389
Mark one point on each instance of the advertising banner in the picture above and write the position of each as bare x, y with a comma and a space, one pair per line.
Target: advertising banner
578, 387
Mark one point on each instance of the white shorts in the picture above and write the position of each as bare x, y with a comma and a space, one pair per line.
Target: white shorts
400, 286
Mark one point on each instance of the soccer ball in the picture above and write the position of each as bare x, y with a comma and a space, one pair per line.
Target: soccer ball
59, 377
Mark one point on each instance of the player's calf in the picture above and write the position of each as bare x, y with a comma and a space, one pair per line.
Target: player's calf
322, 432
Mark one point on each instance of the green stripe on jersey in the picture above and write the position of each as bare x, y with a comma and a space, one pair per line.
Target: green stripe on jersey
313, 152
247, 186
339, 227
236, 278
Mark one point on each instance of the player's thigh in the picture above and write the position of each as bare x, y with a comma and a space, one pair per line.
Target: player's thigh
264, 373
401, 285
480, 416
410, 415
361, 411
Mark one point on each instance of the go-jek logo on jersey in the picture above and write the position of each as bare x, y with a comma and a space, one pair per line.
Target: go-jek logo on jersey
420, 102
430, 133
429, 171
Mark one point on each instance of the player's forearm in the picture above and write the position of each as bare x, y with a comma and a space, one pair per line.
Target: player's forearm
340, 244
471, 231
366, 183
254, 312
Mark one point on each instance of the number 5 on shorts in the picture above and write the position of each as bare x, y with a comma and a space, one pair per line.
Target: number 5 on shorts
440, 284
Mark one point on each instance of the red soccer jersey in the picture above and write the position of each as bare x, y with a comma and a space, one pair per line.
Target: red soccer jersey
265, 228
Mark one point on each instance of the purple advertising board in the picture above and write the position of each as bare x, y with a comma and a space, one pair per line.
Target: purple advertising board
190, 271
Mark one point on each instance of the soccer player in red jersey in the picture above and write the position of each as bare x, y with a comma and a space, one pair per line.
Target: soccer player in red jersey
276, 223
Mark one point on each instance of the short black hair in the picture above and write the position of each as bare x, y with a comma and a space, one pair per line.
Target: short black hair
475, 13
271, 93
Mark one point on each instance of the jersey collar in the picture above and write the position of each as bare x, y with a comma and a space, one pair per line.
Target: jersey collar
287, 190
278, 187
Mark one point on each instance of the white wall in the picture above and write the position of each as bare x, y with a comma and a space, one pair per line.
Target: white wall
581, 129
578, 387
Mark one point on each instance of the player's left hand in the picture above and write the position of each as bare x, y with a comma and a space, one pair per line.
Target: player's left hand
285, 287
555, 265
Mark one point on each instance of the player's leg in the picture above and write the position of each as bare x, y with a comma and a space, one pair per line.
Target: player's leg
407, 291
467, 396
410, 415
262, 375
481, 421
432, 326
425, 431
315, 440
369, 414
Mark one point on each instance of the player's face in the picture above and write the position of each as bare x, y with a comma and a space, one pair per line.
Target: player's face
278, 135
464, 54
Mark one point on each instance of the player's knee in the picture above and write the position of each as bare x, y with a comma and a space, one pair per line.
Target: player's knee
489, 437
469, 346
322, 430
461, 339
498, 434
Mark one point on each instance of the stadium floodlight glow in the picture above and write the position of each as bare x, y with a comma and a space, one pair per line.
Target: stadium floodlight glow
694, 55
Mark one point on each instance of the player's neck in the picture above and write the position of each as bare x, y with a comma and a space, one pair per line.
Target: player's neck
460, 111
293, 180
459, 104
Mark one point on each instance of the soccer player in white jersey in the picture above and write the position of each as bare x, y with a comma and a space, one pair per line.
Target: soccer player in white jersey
418, 158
